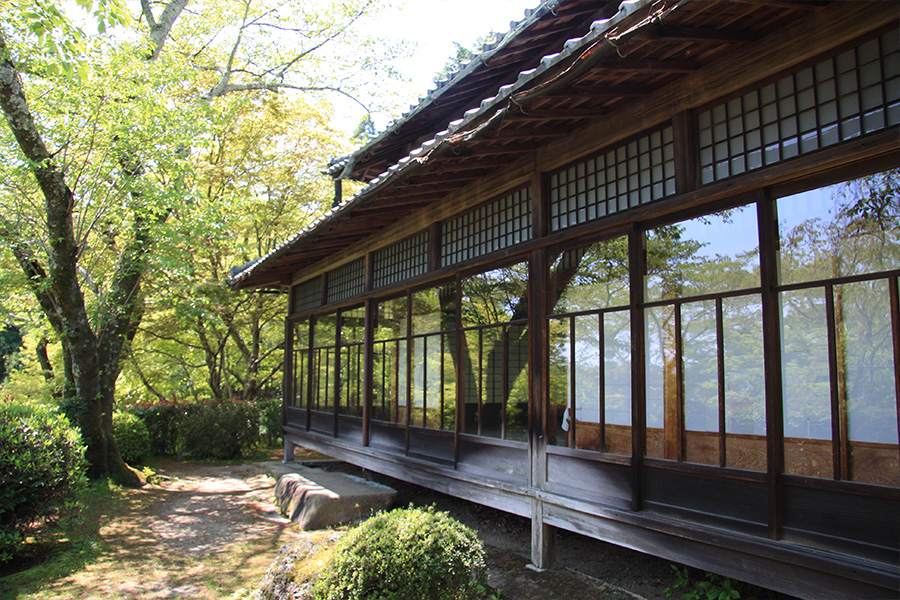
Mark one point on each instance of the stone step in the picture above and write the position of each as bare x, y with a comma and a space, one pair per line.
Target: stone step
315, 499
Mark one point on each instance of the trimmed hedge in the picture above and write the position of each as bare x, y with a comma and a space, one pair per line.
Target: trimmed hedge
42, 467
221, 430
162, 421
405, 554
224, 429
132, 437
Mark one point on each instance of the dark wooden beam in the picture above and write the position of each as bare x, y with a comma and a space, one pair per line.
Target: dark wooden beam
598, 91
558, 113
443, 165
790, 4
695, 34
529, 133
487, 149
637, 64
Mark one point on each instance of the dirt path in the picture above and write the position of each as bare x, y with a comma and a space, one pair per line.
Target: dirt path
198, 531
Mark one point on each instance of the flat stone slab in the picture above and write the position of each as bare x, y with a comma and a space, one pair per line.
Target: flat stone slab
315, 499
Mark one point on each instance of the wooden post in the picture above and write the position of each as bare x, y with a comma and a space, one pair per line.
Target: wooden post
287, 388
543, 539
543, 536
768, 267
368, 366
637, 269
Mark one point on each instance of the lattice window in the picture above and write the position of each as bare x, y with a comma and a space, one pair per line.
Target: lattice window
307, 295
624, 177
488, 228
846, 96
402, 260
347, 280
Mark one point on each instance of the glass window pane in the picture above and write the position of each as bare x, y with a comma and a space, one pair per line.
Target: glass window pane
806, 387
661, 386
496, 296
745, 401
586, 382
846, 229
590, 277
301, 364
710, 254
391, 319
519, 387
325, 330
434, 309
353, 325
559, 422
617, 381
474, 381
871, 399
351, 399
701, 382
447, 392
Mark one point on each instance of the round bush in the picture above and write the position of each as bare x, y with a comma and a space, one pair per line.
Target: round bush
405, 554
132, 437
42, 468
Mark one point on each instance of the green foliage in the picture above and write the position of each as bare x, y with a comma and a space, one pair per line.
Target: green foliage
161, 420
405, 554
703, 586
205, 429
132, 437
10, 343
271, 419
41, 469
223, 430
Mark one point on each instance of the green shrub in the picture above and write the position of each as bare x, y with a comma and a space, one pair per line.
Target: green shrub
132, 437
700, 585
42, 468
162, 422
405, 554
271, 420
223, 430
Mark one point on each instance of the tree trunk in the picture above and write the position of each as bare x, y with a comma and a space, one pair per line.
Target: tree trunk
58, 290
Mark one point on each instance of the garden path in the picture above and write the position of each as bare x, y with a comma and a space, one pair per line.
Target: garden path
205, 530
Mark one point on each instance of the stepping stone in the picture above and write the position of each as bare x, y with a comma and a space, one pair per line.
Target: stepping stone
315, 499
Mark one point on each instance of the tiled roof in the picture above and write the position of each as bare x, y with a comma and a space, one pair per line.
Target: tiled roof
546, 100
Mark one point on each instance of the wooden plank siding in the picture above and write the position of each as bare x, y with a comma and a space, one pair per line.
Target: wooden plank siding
755, 505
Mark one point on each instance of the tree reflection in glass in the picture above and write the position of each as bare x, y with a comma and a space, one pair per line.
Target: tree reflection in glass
704, 356
838, 247
590, 348
494, 316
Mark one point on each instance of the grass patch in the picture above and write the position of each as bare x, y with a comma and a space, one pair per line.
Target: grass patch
69, 550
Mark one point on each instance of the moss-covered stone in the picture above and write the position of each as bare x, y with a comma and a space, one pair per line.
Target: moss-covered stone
297, 566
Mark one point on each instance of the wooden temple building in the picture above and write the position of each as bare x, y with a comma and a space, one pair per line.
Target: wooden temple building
631, 272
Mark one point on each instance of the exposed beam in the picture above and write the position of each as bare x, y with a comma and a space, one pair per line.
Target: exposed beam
600, 91
694, 34
791, 4
636, 64
530, 133
558, 113
443, 166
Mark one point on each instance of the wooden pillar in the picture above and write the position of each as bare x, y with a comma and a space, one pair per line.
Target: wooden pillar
368, 366
543, 539
543, 536
288, 449
771, 308
287, 388
637, 260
